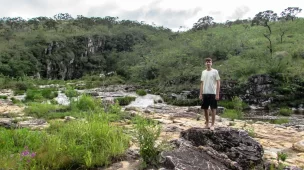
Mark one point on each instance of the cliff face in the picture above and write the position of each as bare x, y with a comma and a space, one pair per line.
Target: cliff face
72, 58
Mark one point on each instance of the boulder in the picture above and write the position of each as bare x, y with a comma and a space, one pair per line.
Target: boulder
223, 148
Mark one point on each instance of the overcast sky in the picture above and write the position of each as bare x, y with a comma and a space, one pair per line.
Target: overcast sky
168, 13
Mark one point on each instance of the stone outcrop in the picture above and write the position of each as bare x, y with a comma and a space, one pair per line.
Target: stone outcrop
223, 148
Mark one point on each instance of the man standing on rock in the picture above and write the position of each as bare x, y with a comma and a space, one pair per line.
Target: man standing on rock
209, 91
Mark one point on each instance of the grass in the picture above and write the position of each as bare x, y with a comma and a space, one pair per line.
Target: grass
75, 144
147, 133
280, 121
40, 94
123, 101
141, 92
232, 114
71, 92
3, 97
285, 112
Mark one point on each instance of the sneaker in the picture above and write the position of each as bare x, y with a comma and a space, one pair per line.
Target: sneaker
211, 127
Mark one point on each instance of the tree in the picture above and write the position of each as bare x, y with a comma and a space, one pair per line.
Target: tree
203, 23
63, 17
8, 34
290, 13
228, 23
50, 23
34, 22
264, 18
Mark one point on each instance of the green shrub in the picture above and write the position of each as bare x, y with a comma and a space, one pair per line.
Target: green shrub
19, 92
123, 101
281, 156
33, 95
237, 103
226, 104
15, 101
285, 111
279, 121
21, 86
147, 133
3, 97
40, 94
49, 93
40, 109
71, 92
232, 114
141, 92
86, 103
251, 132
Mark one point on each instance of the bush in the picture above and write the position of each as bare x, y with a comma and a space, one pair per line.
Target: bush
232, 114
40, 94
3, 97
21, 86
123, 101
141, 92
236, 104
71, 92
285, 112
226, 104
33, 95
279, 121
86, 103
147, 133
49, 93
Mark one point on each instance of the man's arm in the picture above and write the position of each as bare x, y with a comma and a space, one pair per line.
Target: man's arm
201, 90
218, 87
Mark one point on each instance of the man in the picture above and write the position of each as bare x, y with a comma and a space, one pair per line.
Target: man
209, 91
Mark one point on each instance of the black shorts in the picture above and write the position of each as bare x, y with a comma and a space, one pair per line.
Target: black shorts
209, 100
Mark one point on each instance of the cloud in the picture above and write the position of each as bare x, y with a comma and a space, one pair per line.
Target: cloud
239, 13
151, 13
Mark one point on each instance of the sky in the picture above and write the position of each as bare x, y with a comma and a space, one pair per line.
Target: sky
168, 13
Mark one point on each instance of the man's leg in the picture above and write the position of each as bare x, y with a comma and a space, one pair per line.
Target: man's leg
213, 116
206, 117
213, 108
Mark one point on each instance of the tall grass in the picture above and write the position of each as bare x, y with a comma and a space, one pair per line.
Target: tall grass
70, 145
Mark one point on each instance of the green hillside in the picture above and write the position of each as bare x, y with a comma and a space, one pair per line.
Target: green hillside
69, 48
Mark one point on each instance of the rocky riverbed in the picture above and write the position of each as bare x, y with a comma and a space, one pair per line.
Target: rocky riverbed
176, 120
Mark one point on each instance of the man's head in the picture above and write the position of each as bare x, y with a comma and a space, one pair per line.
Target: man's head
208, 62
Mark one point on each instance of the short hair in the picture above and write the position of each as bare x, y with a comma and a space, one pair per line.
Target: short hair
208, 59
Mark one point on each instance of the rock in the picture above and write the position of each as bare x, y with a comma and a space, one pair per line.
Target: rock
69, 118
132, 153
195, 109
164, 121
33, 124
172, 128
299, 146
237, 145
6, 122
188, 157
280, 126
62, 99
